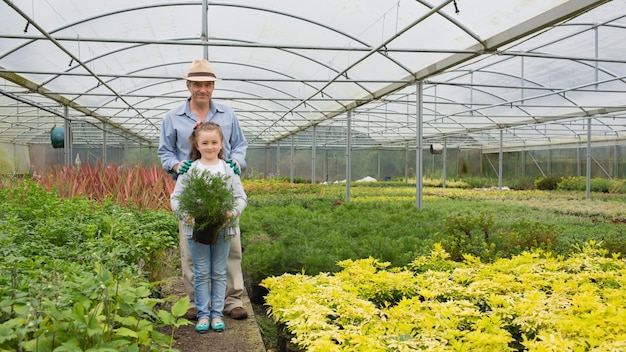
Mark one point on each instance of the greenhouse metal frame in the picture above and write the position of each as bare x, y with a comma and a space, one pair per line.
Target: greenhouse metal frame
493, 76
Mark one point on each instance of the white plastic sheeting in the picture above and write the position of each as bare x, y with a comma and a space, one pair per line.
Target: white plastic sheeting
536, 69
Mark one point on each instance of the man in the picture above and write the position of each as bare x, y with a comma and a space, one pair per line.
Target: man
174, 152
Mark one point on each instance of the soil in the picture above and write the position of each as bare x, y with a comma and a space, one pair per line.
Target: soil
239, 336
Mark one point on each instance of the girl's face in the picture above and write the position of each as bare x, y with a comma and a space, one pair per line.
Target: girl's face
209, 145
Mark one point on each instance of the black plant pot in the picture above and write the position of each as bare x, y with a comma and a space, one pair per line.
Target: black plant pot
206, 235
284, 344
257, 296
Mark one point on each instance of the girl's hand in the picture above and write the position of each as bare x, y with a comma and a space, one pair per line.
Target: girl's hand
229, 215
189, 220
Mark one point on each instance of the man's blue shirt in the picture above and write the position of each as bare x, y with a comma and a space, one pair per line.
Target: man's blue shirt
178, 125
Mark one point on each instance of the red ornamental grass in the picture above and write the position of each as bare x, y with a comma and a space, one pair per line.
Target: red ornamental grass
142, 186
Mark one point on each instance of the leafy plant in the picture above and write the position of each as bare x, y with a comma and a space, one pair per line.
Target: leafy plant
468, 234
579, 183
601, 185
548, 182
205, 198
531, 302
74, 273
525, 236
478, 182
315, 235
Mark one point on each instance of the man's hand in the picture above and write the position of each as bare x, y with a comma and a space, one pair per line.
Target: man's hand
234, 164
183, 166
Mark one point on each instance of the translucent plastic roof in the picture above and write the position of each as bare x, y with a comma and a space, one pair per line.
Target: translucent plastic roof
531, 71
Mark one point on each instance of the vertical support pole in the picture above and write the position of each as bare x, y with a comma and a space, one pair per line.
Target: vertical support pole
458, 167
500, 160
444, 167
278, 159
406, 163
267, 161
313, 153
523, 163
67, 147
325, 166
378, 157
615, 160
588, 185
597, 52
522, 79
104, 143
471, 93
293, 160
578, 160
204, 35
348, 154
419, 104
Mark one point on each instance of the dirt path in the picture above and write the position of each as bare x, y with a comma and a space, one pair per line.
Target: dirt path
239, 336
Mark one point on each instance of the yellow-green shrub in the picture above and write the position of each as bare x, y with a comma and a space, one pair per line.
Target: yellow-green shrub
532, 302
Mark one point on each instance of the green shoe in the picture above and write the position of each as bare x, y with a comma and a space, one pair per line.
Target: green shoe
202, 326
218, 325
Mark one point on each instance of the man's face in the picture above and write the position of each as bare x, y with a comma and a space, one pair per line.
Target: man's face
200, 91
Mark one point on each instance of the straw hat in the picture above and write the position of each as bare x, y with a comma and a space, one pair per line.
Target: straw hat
201, 71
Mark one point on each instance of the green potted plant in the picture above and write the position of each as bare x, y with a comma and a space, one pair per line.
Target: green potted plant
206, 199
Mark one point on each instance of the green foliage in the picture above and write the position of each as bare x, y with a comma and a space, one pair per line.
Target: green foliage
572, 183
271, 192
314, 236
41, 223
526, 235
474, 234
10, 180
601, 185
438, 260
79, 309
74, 273
479, 182
615, 242
206, 198
297, 180
293, 230
547, 183
619, 187
373, 282
288, 229
468, 234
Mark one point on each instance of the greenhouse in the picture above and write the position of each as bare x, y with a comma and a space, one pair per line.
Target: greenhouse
444, 175
392, 89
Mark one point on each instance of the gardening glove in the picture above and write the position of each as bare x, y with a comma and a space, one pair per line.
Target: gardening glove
184, 166
234, 164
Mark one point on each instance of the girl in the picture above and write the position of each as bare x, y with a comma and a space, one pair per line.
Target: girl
209, 260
